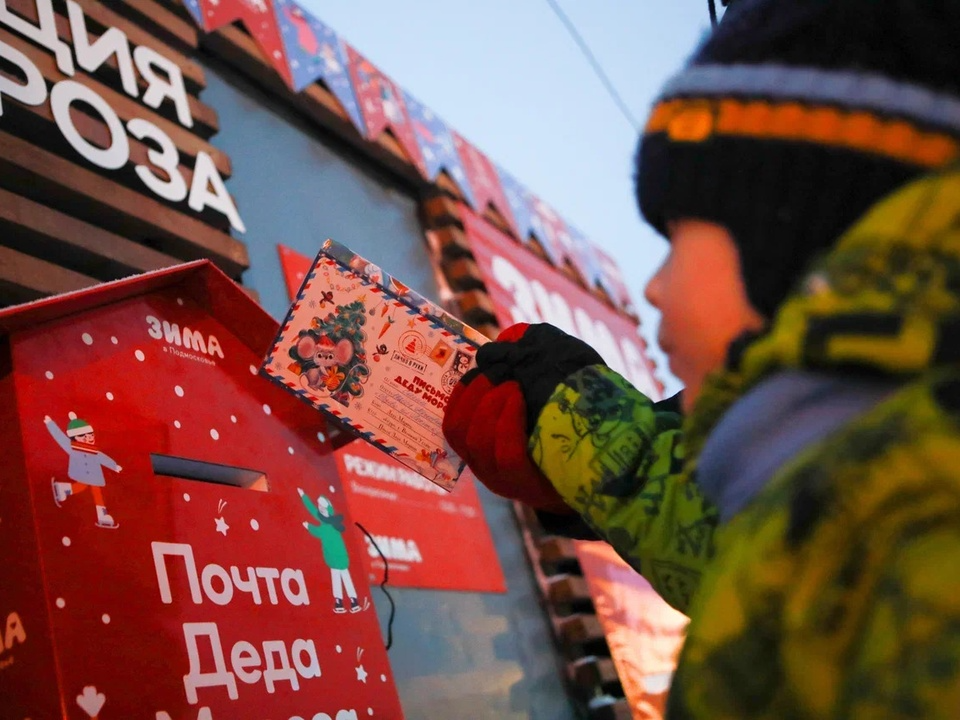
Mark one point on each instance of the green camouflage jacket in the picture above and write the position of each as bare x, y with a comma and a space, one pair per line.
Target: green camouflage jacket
835, 591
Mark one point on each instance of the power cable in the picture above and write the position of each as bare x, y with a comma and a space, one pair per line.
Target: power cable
595, 64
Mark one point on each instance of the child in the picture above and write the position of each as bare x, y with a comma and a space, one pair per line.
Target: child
85, 468
329, 532
807, 514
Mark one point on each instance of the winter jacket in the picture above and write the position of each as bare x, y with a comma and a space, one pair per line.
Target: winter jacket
806, 516
330, 534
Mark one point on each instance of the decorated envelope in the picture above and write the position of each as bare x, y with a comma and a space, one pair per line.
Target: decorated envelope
364, 348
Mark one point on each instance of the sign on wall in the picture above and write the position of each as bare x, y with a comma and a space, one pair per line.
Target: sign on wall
431, 538
525, 289
413, 520
140, 68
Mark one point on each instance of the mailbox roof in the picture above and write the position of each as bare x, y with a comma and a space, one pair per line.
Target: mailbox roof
201, 280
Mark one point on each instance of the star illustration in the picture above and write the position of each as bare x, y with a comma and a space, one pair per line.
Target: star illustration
361, 674
222, 526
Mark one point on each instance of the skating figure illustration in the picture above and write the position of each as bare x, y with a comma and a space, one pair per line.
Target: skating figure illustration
85, 469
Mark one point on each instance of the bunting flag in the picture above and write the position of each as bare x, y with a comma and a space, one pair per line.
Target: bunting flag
483, 179
382, 106
194, 7
259, 18
612, 281
315, 52
550, 230
436, 144
583, 254
519, 199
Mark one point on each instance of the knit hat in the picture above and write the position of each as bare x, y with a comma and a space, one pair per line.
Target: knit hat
793, 118
78, 427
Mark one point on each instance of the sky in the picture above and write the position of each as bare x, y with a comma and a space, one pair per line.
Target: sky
508, 76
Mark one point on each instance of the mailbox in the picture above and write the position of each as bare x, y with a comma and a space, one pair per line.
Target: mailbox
174, 539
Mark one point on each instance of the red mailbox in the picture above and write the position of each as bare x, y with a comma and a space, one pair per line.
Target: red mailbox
174, 539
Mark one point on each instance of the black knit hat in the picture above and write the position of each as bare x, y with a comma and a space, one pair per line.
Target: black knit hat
794, 117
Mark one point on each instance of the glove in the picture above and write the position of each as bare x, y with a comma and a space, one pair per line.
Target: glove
494, 406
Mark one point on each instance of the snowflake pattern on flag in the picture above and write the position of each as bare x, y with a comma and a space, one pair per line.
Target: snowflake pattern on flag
259, 18
436, 144
382, 105
550, 230
583, 255
483, 179
519, 198
612, 281
315, 52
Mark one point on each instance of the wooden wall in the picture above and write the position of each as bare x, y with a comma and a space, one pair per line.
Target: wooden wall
67, 224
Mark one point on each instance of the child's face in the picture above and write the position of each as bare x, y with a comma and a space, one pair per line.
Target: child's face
700, 294
87, 438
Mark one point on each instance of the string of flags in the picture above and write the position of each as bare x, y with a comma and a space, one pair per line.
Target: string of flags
303, 50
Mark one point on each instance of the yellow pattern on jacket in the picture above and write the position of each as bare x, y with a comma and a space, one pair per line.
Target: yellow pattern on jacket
835, 593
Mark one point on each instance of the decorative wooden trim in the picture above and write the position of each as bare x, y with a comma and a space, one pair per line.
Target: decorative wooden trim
193, 73
476, 307
74, 243
35, 124
314, 101
99, 18
463, 274
24, 278
42, 176
164, 22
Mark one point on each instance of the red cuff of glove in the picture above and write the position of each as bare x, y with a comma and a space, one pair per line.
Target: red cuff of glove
486, 424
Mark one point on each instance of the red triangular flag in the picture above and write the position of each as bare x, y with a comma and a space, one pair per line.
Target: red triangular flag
383, 107
261, 22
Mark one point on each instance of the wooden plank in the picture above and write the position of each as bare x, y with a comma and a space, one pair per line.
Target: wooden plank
554, 549
104, 255
610, 708
193, 73
126, 108
36, 124
453, 242
463, 274
44, 177
446, 184
160, 20
565, 589
593, 672
99, 18
440, 211
24, 278
476, 307
580, 628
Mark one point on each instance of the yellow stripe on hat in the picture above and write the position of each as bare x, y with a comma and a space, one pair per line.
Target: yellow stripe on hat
694, 120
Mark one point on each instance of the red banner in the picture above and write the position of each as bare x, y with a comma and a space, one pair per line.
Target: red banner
524, 288
383, 107
261, 22
431, 538
484, 180
643, 632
